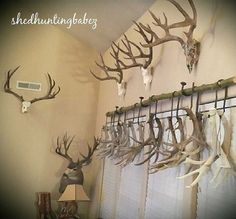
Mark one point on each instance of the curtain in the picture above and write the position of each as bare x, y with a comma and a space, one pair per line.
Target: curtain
165, 193
111, 181
219, 200
131, 193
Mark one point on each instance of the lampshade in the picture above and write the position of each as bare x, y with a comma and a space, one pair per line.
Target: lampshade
74, 192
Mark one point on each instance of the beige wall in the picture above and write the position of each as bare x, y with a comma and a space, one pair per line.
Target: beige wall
28, 161
217, 59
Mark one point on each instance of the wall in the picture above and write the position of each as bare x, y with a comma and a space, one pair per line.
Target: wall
28, 162
216, 32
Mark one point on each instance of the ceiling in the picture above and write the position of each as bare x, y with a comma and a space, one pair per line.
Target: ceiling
114, 17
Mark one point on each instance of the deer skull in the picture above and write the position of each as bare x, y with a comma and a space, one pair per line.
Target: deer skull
147, 77
25, 106
121, 89
191, 51
190, 46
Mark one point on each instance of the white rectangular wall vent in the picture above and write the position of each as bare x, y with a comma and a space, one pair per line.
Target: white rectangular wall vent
26, 85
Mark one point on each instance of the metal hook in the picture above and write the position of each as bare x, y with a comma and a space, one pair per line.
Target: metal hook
216, 100
172, 103
113, 119
225, 98
177, 110
183, 83
139, 111
156, 108
141, 102
197, 103
124, 116
118, 113
219, 83
134, 111
150, 109
191, 101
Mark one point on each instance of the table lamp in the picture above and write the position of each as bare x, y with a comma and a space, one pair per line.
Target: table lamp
70, 196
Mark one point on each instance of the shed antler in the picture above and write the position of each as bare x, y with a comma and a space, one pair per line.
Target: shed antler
180, 151
191, 46
25, 104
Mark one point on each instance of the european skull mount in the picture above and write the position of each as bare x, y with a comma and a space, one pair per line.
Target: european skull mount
190, 46
26, 104
73, 173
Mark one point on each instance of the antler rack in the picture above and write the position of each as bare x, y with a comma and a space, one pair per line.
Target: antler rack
183, 92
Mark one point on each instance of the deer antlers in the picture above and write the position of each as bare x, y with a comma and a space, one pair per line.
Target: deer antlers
25, 104
188, 21
74, 173
190, 47
106, 69
63, 145
129, 53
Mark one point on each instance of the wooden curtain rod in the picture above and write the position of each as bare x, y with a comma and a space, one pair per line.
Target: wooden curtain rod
183, 92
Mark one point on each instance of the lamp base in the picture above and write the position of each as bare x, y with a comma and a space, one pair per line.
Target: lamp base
69, 210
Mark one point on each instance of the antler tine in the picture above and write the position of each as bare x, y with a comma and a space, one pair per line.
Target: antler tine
7, 88
128, 44
88, 158
141, 53
52, 85
119, 62
104, 78
106, 70
50, 94
193, 25
115, 55
141, 31
118, 47
149, 55
188, 20
66, 142
190, 46
104, 66
158, 21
